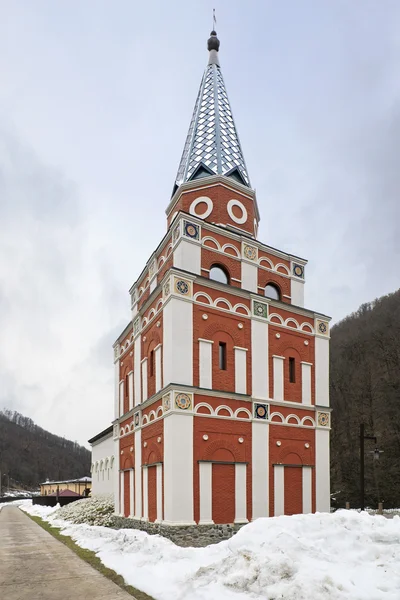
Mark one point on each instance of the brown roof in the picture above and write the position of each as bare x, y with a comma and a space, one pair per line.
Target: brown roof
64, 493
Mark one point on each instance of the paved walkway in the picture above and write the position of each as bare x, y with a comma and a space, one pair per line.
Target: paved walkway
36, 566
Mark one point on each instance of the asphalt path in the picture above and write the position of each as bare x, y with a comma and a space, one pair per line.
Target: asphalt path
36, 566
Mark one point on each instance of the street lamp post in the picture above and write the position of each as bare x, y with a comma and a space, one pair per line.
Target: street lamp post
376, 455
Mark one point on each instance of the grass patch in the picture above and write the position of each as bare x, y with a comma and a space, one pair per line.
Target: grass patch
90, 557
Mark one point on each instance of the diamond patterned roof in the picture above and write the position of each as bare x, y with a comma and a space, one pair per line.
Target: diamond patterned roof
212, 140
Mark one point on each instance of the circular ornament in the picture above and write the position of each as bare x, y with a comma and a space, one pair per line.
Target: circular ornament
182, 287
145, 444
298, 270
250, 252
205, 317
261, 411
182, 401
241, 207
306, 445
240, 440
159, 439
205, 437
306, 343
191, 231
278, 335
278, 443
323, 419
322, 327
201, 200
240, 325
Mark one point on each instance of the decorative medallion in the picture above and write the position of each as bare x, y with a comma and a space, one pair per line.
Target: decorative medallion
152, 268
183, 401
167, 402
323, 419
260, 309
260, 411
250, 252
298, 271
322, 327
182, 287
137, 420
191, 230
167, 289
176, 233
136, 326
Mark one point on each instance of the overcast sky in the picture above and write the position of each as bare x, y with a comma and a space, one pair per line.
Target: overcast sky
95, 102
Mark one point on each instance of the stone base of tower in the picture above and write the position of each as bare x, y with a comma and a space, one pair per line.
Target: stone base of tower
197, 536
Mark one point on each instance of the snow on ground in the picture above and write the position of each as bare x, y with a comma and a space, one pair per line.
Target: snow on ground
342, 556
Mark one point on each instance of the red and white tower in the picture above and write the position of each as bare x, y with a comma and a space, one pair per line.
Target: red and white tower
221, 397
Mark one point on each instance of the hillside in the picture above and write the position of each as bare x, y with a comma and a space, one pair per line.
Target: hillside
365, 387
29, 454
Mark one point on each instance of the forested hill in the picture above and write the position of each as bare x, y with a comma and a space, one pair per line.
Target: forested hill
365, 388
30, 455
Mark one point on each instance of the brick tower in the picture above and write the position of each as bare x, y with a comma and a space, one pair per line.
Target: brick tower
221, 395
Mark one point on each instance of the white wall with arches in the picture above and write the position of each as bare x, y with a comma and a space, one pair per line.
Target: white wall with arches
103, 466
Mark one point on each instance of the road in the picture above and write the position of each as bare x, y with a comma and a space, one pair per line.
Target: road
36, 566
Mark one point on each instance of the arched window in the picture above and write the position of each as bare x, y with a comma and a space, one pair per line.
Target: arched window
272, 291
218, 273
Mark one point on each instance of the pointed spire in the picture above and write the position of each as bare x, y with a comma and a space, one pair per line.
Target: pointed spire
212, 145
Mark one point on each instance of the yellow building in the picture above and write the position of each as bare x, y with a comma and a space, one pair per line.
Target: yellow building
80, 486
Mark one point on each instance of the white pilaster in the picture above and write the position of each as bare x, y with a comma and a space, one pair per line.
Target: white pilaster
178, 468
278, 362
144, 379
159, 492
138, 474
260, 468
116, 389
187, 256
153, 284
279, 490
115, 470
259, 354
145, 494
130, 390
205, 476
322, 371
249, 277
132, 492
157, 358
297, 292
136, 369
322, 473
306, 383
121, 398
205, 363
240, 370
307, 490
240, 493
121, 493
178, 342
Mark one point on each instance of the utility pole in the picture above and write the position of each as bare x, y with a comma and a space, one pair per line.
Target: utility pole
362, 483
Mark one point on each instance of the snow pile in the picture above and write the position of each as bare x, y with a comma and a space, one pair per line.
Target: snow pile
91, 511
342, 556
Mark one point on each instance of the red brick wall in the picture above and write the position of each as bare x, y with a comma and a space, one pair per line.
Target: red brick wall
291, 344
152, 492
220, 196
232, 266
293, 485
220, 327
223, 493
291, 451
127, 494
154, 450
222, 444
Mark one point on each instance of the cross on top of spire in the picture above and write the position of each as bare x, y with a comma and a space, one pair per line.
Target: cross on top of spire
212, 145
